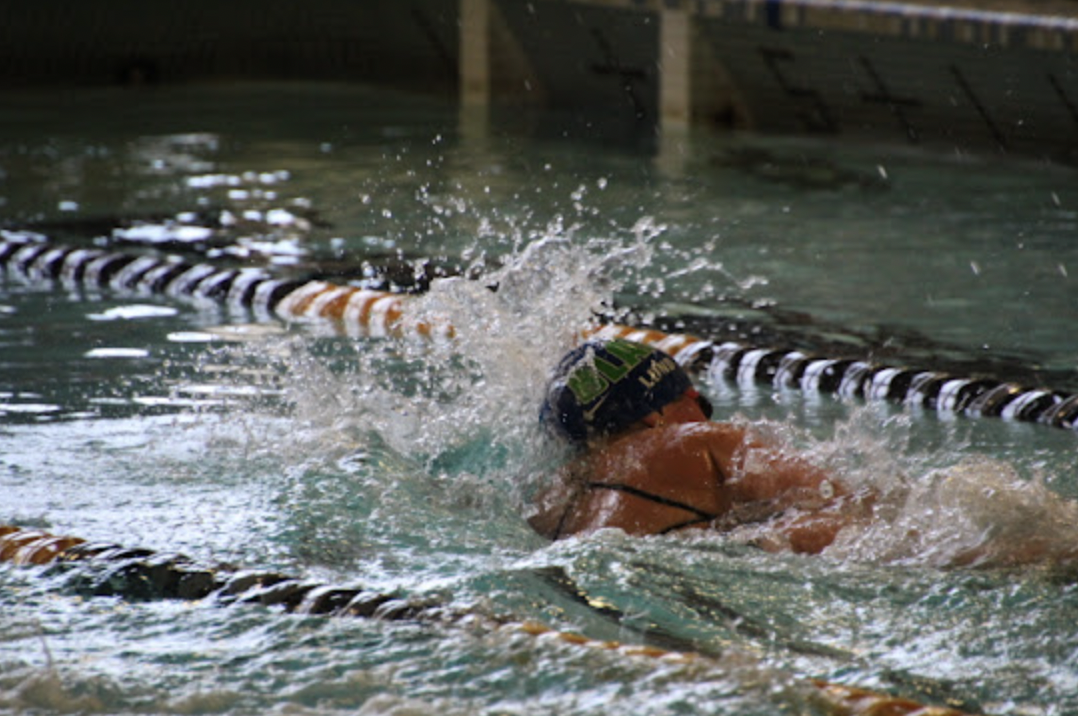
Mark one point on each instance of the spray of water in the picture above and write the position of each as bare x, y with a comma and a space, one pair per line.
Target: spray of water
464, 409
456, 406
943, 507
467, 405
978, 512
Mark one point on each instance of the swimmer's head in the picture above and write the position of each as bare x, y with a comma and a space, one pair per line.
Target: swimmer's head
603, 387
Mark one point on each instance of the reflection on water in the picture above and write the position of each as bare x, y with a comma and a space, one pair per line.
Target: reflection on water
405, 465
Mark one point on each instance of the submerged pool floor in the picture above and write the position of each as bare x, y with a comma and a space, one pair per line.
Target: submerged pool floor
404, 466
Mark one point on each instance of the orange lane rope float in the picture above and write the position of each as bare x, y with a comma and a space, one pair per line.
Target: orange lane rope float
142, 574
365, 312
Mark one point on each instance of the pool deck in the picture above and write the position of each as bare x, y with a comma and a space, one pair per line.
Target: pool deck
993, 75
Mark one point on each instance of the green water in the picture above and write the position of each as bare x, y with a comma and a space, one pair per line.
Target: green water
405, 467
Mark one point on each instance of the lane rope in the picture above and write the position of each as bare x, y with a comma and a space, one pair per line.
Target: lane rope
358, 312
361, 312
111, 570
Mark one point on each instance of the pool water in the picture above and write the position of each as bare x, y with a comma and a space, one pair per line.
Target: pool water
405, 466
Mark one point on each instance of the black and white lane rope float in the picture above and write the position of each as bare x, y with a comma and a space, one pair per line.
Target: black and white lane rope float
111, 570
366, 312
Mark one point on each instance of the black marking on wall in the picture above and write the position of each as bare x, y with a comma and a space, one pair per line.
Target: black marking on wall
1071, 108
627, 74
430, 32
817, 117
773, 14
882, 95
971, 95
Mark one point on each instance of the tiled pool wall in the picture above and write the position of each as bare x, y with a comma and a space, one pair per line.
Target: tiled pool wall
1001, 76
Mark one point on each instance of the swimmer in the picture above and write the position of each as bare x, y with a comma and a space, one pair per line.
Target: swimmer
650, 461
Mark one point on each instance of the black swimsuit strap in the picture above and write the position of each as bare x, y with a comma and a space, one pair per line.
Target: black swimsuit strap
659, 499
701, 515
687, 523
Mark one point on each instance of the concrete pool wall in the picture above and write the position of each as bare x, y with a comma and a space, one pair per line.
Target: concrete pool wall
996, 76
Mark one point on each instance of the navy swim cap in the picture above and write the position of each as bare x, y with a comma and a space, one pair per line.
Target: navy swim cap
603, 387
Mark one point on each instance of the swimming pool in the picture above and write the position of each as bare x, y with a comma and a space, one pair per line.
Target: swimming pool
404, 465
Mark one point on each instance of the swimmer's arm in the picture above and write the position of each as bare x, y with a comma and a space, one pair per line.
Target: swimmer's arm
809, 506
758, 470
553, 505
806, 534
810, 532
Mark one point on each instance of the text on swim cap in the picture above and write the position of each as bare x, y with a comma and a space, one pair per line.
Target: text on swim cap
657, 371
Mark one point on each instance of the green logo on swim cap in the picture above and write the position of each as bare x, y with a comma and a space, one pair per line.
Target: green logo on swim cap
601, 387
591, 380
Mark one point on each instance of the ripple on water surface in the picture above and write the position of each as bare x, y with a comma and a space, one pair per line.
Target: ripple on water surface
159, 423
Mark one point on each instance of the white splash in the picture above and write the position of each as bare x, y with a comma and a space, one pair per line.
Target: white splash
117, 352
132, 312
485, 384
978, 512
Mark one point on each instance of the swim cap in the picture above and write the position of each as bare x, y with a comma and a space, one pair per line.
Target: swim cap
602, 387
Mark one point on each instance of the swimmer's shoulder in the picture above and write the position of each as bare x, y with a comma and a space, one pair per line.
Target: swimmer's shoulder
720, 440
